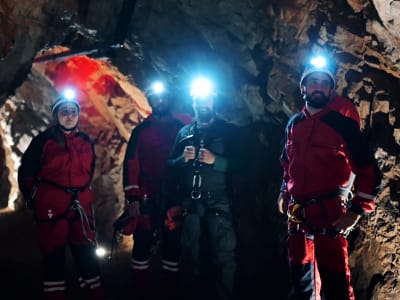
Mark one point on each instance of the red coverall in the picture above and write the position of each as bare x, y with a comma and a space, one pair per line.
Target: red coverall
320, 152
53, 163
144, 180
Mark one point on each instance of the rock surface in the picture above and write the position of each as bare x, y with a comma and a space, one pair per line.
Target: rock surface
256, 50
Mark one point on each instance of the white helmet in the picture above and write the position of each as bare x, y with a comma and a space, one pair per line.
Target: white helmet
63, 100
318, 65
68, 96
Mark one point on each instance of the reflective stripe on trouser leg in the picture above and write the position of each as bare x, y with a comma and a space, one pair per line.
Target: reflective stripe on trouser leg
91, 283
53, 286
171, 249
92, 287
54, 282
140, 265
140, 262
88, 267
172, 266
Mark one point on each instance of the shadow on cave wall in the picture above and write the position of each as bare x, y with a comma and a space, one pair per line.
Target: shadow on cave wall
262, 258
5, 186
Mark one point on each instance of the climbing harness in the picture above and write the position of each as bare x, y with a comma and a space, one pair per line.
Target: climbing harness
77, 207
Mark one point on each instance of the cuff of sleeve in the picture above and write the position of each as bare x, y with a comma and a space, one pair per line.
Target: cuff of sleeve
178, 162
283, 187
357, 210
220, 163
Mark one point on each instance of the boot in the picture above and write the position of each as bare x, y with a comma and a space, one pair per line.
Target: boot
170, 284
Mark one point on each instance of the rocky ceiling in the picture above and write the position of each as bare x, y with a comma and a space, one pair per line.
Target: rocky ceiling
254, 49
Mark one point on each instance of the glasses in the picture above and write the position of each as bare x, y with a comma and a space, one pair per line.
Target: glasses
66, 112
317, 82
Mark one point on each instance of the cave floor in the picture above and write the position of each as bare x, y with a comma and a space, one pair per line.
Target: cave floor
21, 269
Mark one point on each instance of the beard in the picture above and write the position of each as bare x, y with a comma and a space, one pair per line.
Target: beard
317, 99
204, 115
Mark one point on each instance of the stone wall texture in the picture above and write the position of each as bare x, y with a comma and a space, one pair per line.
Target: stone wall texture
256, 51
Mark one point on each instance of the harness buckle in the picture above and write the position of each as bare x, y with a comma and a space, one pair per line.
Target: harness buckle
296, 213
196, 195
75, 204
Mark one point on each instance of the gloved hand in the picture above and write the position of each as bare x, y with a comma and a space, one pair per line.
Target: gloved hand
174, 218
283, 201
346, 222
206, 156
189, 153
124, 224
134, 209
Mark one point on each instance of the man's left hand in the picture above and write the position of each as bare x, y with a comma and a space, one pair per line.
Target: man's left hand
206, 156
346, 222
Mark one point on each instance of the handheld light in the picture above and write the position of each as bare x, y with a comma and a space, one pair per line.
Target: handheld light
100, 251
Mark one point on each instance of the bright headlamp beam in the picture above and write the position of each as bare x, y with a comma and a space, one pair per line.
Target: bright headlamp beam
201, 88
69, 94
100, 252
158, 87
318, 62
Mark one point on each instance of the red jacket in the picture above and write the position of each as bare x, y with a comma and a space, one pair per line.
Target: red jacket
322, 150
55, 161
145, 163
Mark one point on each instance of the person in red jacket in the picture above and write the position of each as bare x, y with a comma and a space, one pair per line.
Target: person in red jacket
54, 177
145, 185
324, 151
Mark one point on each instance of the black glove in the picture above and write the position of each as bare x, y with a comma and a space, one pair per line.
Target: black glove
122, 221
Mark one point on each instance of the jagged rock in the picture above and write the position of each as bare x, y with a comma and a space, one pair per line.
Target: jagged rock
255, 49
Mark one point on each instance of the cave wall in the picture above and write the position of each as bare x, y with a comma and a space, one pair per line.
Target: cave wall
5, 186
256, 50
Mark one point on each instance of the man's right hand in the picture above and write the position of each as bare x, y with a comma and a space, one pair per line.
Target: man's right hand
282, 203
189, 153
173, 218
134, 209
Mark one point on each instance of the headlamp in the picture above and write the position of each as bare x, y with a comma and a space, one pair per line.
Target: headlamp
69, 94
318, 64
202, 88
157, 87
